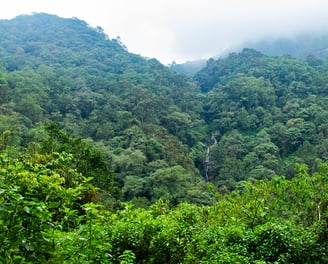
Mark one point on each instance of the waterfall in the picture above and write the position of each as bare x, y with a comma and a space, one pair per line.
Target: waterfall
207, 157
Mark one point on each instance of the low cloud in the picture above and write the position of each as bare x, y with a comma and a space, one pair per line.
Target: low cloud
187, 29
228, 26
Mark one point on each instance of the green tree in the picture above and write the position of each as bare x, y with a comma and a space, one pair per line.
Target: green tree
170, 184
38, 195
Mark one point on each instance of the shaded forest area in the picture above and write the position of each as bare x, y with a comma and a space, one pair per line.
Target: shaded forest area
103, 153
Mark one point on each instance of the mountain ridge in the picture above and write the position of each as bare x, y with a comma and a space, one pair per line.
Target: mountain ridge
300, 46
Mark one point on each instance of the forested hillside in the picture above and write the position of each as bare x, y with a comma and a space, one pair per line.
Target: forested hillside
145, 118
268, 112
109, 157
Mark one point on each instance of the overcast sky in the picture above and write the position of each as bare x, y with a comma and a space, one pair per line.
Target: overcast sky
182, 30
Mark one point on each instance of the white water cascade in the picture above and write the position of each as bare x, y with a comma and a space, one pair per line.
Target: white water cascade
207, 158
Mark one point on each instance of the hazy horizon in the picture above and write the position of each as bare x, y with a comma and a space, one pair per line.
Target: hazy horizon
186, 30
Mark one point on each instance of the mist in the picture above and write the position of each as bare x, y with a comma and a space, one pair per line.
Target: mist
187, 29
235, 25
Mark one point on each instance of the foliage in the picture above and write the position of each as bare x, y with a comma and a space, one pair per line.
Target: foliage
274, 221
134, 111
103, 153
38, 195
266, 112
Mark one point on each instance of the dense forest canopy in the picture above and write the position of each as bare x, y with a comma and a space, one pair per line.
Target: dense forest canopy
109, 157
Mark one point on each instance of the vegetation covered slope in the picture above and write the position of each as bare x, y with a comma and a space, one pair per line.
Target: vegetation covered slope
143, 116
152, 124
86, 126
267, 112
48, 215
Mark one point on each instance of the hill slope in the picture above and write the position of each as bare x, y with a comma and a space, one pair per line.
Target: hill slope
269, 113
92, 125
144, 116
153, 125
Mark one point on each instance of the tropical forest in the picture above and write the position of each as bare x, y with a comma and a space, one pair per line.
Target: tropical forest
110, 157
